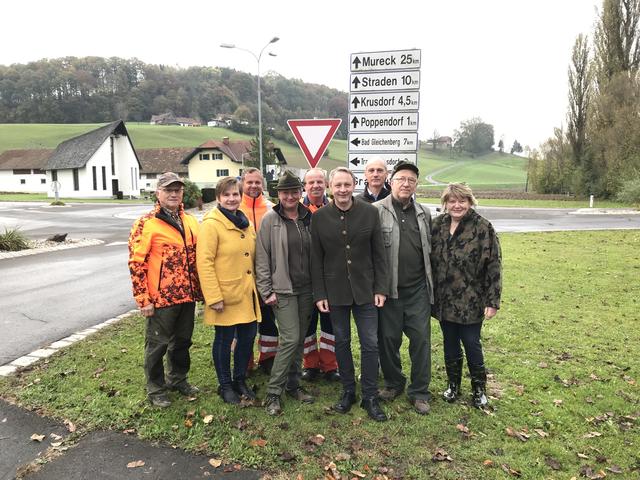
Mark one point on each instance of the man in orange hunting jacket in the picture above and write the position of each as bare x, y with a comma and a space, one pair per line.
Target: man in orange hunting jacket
162, 263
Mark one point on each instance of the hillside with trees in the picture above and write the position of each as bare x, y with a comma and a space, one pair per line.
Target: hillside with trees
96, 90
599, 151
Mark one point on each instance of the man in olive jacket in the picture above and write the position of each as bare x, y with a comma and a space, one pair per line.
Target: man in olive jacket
406, 228
349, 270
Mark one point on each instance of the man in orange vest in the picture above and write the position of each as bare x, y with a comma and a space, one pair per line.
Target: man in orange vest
254, 205
318, 359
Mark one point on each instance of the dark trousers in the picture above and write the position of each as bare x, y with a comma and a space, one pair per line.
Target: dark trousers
366, 318
469, 335
245, 334
169, 331
409, 314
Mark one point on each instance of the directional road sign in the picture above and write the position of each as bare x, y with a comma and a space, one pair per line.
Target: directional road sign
358, 161
390, 122
383, 142
391, 60
388, 101
385, 81
313, 136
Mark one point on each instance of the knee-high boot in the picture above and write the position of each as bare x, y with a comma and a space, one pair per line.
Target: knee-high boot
454, 374
479, 385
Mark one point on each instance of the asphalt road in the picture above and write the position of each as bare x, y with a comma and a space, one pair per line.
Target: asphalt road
48, 296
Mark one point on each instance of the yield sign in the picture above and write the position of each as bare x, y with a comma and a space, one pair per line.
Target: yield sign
314, 136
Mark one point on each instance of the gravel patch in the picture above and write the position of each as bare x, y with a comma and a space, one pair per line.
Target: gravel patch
42, 246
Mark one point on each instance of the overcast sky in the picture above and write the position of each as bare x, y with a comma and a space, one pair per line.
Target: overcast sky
502, 60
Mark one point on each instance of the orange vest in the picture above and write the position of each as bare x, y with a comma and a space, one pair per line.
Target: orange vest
255, 209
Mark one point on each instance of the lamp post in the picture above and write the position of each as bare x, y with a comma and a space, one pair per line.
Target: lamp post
257, 57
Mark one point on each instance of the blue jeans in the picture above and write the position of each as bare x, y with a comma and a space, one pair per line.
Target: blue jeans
245, 334
469, 335
366, 317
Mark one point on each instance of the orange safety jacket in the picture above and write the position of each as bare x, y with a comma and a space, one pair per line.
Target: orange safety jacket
162, 259
255, 209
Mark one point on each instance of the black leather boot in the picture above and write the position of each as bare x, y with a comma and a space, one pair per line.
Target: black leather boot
372, 406
227, 394
242, 389
479, 385
454, 374
347, 399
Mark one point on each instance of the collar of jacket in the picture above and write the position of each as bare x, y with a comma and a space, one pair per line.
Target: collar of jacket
160, 214
384, 191
304, 214
216, 215
256, 202
471, 214
306, 202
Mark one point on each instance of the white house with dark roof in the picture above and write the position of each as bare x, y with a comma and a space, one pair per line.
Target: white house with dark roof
97, 164
24, 170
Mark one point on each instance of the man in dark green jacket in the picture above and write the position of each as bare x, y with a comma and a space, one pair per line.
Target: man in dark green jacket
349, 270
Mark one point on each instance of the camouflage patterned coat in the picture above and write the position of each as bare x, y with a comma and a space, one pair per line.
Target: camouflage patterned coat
466, 268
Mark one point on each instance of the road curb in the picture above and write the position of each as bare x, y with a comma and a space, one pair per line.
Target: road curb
47, 351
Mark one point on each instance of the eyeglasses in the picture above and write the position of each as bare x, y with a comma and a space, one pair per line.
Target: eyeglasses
173, 191
409, 180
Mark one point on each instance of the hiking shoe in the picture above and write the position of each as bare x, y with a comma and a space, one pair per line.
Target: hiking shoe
420, 406
160, 400
389, 394
272, 404
186, 389
310, 374
301, 395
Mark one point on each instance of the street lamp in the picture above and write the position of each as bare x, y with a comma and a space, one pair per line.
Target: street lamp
257, 57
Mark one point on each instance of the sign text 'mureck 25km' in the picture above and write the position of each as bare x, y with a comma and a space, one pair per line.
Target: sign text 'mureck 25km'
383, 109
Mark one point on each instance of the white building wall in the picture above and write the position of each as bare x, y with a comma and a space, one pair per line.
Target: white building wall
127, 168
32, 182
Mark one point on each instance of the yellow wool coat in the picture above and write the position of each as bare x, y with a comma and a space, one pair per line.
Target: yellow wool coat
225, 256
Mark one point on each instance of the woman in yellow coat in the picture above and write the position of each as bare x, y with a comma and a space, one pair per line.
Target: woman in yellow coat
225, 254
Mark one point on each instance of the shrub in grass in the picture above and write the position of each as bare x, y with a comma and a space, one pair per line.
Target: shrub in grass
630, 191
13, 240
57, 203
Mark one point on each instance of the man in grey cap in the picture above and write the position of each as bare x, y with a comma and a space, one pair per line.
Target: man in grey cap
283, 278
162, 263
406, 227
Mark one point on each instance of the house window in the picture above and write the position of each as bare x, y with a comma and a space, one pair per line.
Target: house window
204, 156
21, 171
54, 175
37, 171
94, 172
22, 181
151, 176
222, 172
104, 177
43, 181
216, 156
113, 158
76, 180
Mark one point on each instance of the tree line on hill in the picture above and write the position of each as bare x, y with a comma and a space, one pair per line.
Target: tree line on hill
96, 89
599, 151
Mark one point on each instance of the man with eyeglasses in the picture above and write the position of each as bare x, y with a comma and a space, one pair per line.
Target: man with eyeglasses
406, 228
162, 263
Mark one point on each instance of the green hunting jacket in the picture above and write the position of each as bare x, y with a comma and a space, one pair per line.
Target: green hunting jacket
466, 268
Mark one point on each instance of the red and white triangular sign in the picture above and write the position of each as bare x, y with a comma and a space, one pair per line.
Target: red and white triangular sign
314, 136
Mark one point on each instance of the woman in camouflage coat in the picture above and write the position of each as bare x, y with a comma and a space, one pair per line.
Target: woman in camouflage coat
466, 265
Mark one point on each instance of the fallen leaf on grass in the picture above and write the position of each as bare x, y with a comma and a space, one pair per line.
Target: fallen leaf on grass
519, 390
98, 372
215, 462
129, 431
37, 437
358, 473
462, 428
190, 414
342, 456
587, 471
332, 469
614, 469
287, 457
136, 464
522, 436
188, 423
441, 455
553, 463
511, 471
242, 424
488, 463
316, 440
557, 402
70, 426
541, 432
258, 442
208, 419
592, 435
543, 365
583, 456
56, 444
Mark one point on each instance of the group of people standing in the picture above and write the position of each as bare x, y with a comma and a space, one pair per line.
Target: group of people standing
377, 256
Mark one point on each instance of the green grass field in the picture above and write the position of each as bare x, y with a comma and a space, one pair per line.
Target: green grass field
564, 369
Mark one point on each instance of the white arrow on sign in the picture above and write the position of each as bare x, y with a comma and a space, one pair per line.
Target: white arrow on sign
393, 122
391, 60
388, 102
383, 142
385, 81
358, 161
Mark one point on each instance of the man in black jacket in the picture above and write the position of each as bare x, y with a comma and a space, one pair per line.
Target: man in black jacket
348, 270
376, 186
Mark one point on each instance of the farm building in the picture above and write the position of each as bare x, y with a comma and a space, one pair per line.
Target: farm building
155, 161
24, 170
216, 159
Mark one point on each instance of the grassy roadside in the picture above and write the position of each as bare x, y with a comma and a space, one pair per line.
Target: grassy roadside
562, 354
515, 202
